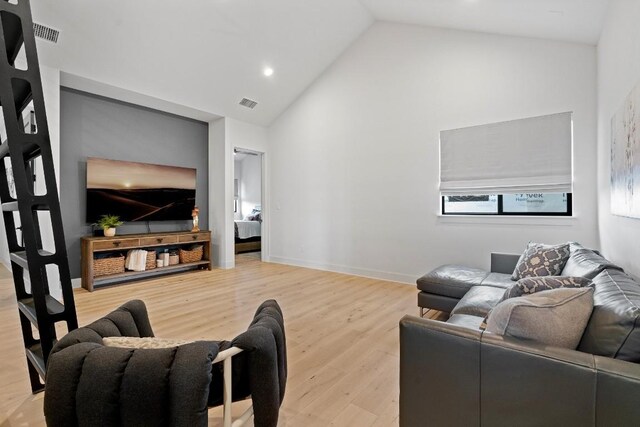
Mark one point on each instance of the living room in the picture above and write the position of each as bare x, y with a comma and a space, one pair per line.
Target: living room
353, 99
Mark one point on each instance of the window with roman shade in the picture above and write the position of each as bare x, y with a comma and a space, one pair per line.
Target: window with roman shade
530, 155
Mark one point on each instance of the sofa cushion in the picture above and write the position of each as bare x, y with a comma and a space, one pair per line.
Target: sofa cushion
614, 327
451, 280
479, 301
541, 260
557, 317
531, 285
146, 342
498, 280
585, 262
471, 322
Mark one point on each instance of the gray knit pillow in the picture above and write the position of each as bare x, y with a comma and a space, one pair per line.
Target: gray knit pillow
531, 285
556, 318
541, 260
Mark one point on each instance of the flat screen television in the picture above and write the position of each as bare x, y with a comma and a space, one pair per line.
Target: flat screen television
139, 191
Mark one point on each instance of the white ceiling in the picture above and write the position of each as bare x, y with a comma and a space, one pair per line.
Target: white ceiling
206, 54
209, 54
568, 20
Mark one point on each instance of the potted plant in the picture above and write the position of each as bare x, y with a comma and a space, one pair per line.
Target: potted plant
108, 223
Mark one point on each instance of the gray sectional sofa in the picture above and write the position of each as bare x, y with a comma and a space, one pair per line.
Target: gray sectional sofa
453, 373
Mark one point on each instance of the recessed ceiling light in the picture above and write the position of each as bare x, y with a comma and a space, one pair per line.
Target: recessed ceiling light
268, 71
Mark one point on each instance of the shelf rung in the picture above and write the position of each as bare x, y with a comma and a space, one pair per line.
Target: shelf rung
30, 150
20, 258
34, 354
4, 149
28, 308
13, 206
10, 206
22, 94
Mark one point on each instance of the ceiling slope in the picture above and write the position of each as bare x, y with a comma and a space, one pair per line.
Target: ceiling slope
566, 20
206, 55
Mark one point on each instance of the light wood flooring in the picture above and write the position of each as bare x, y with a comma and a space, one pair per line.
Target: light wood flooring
342, 336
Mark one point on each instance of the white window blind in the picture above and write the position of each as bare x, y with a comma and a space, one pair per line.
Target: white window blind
527, 155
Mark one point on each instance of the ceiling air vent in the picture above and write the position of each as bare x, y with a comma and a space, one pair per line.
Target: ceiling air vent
246, 102
46, 33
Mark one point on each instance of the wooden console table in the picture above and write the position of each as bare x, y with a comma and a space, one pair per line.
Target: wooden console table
152, 241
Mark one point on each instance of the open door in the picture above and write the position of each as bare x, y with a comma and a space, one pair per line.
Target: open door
247, 205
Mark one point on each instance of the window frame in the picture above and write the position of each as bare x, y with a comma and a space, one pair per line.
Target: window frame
501, 211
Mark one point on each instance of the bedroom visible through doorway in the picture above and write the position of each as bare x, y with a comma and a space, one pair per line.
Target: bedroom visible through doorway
247, 201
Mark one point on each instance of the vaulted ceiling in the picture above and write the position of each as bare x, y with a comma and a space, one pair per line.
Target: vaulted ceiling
209, 54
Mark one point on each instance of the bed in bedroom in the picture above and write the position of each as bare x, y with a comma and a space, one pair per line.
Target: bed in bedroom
248, 236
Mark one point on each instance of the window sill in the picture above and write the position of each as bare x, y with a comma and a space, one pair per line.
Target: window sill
552, 221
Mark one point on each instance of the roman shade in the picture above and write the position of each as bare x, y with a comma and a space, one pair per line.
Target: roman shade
519, 156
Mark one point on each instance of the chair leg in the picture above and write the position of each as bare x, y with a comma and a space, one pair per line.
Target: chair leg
227, 393
421, 311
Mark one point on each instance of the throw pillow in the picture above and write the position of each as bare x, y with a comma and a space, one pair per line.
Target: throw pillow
556, 318
541, 260
146, 342
531, 285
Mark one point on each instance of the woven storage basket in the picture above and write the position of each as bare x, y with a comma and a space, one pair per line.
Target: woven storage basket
107, 266
191, 255
151, 260
174, 259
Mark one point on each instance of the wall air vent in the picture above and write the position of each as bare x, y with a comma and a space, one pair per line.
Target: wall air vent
45, 33
246, 102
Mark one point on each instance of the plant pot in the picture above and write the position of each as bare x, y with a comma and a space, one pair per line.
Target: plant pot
110, 232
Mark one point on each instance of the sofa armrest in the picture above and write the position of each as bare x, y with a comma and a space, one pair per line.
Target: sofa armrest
439, 374
503, 263
461, 377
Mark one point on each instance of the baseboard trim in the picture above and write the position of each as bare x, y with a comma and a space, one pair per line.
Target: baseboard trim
404, 279
227, 265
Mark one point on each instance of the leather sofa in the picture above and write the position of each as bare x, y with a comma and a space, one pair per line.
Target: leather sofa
454, 374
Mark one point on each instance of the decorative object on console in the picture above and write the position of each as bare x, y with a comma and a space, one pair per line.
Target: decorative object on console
113, 264
531, 285
136, 260
195, 214
193, 254
541, 260
174, 258
108, 223
625, 157
151, 260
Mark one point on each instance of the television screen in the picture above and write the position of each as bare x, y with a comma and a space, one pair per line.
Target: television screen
139, 191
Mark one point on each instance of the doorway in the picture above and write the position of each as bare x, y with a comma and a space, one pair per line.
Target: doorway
248, 196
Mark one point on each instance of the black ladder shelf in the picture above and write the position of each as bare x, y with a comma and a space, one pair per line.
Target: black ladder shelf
23, 207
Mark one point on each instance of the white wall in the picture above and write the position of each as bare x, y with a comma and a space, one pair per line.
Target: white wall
224, 135
220, 193
354, 161
618, 73
237, 175
250, 183
51, 91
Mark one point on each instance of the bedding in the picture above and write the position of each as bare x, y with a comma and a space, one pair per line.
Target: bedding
247, 229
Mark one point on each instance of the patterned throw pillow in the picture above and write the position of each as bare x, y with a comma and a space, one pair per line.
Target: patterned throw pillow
532, 285
541, 260
146, 342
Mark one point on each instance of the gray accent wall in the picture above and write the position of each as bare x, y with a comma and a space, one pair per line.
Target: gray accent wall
94, 126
